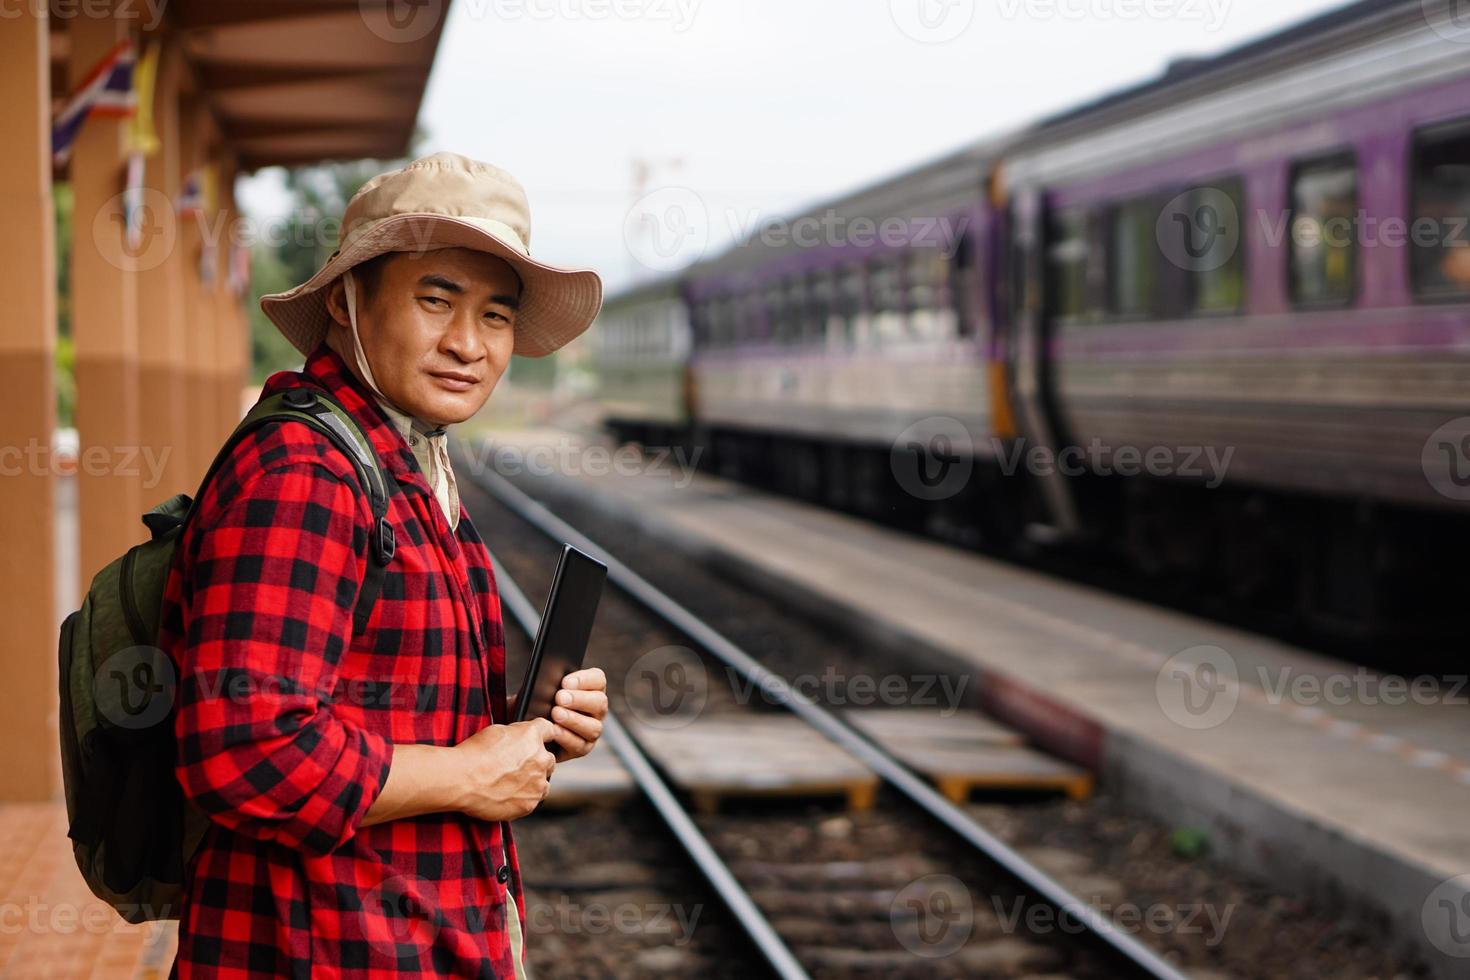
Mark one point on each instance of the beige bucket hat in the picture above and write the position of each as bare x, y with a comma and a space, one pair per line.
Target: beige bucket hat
446, 201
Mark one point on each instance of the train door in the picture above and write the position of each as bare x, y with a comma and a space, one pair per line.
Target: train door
1030, 369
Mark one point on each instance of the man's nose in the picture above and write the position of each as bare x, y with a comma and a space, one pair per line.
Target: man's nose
465, 338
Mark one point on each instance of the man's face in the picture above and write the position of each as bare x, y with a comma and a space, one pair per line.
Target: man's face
437, 329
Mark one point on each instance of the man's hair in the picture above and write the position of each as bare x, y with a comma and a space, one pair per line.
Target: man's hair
370, 274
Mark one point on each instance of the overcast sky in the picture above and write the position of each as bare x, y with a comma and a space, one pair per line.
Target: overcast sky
750, 108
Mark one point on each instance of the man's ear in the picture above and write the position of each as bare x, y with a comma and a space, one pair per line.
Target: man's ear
337, 302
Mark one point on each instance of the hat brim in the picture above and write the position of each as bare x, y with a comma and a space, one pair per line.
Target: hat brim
557, 305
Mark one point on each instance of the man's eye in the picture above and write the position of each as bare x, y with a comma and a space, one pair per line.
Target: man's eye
495, 315
435, 299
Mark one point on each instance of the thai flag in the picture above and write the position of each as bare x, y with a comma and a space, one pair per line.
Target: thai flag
107, 90
239, 277
191, 200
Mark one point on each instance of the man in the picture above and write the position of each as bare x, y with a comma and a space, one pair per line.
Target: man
360, 785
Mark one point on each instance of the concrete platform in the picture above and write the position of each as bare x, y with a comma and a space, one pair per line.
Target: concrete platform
1322, 776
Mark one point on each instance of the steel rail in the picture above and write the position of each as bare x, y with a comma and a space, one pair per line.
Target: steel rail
771, 946
876, 758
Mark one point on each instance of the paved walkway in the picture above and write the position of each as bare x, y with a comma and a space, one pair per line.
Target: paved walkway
50, 924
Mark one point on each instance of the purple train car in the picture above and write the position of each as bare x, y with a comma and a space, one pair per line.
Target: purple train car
1256, 272
1217, 325
838, 333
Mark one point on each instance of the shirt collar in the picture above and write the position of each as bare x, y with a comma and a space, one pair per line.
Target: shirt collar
427, 444
408, 424
325, 368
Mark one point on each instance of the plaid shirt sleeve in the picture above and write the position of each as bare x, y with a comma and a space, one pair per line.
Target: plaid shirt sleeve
273, 577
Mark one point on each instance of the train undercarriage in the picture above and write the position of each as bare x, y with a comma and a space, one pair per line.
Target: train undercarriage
1377, 582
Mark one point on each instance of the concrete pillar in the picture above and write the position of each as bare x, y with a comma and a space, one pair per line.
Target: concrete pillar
229, 356
104, 324
27, 357
198, 310
239, 328
161, 314
246, 373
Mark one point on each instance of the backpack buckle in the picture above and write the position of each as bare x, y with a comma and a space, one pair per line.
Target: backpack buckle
298, 398
385, 543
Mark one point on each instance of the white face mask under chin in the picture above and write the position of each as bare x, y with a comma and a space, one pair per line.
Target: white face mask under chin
437, 468
357, 351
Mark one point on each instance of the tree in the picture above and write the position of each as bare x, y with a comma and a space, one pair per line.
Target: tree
308, 236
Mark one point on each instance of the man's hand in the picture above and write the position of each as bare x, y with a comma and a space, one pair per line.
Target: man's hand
581, 704
506, 769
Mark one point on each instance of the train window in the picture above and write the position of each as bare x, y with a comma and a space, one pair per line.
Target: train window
964, 287
722, 322
729, 321
664, 317
1441, 242
1324, 249
798, 310
699, 322
1134, 254
750, 319
705, 337
852, 304
1216, 252
818, 292
1018, 256
886, 291
1067, 261
709, 332
930, 299
773, 304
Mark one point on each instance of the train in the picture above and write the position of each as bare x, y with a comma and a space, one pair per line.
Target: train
1216, 327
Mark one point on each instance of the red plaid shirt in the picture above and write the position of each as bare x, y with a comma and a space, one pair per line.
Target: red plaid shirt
286, 724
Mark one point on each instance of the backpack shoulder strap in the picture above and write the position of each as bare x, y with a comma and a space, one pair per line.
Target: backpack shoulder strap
325, 414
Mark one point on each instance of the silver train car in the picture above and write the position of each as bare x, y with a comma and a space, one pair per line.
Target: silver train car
640, 347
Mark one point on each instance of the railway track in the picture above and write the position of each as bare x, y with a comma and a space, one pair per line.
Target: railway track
907, 891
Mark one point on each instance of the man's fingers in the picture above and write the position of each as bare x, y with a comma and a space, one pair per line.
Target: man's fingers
586, 726
575, 744
592, 703
545, 730
586, 679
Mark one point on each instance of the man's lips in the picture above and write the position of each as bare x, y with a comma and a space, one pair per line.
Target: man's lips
455, 380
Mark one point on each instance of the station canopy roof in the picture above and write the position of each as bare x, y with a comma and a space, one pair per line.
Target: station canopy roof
293, 82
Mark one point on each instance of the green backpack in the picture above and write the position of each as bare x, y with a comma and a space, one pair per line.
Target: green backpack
132, 830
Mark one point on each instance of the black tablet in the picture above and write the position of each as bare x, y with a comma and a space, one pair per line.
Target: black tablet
561, 639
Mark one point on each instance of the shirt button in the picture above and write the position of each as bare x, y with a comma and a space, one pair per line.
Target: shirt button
503, 875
